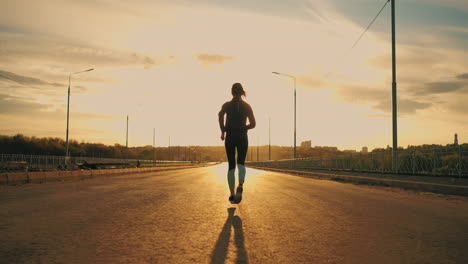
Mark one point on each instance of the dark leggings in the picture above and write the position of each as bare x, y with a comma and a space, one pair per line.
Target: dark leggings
233, 141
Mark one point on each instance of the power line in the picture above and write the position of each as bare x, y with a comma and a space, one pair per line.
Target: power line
370, 24
362, 34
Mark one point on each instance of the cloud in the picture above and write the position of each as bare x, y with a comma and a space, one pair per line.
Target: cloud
22, 85
25, 80
455, 29
458, 84
378, 116
358, 95
404, 106
459, 106
422, 63
23, 106
463, 76
413, 56
309, 82
425, 78
210, 59
381, 100
456, 4
148, 62
33, 48
20, 106
442, 87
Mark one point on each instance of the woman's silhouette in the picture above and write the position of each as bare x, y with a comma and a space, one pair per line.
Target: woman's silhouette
234, 130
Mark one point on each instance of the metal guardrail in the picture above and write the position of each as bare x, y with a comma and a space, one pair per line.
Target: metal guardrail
444, 161
43, 162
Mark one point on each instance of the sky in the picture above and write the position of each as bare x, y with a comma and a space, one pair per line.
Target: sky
170, 65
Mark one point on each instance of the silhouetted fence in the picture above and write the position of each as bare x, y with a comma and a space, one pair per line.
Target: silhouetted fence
446, 161
10, 162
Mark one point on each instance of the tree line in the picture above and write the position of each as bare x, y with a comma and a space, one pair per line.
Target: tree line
20, 144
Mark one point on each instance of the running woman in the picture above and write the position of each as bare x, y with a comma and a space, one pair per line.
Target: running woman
234, 130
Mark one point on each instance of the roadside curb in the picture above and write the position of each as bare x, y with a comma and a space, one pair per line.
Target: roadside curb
49, 176
411, 185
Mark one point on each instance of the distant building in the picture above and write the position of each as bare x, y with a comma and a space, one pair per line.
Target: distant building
325, 148
306, 144
365, 150
455, 141
349, 151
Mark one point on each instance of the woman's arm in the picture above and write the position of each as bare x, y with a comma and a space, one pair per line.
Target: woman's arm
251, 118
221, 122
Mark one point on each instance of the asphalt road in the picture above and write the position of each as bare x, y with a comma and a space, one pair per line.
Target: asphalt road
184, 217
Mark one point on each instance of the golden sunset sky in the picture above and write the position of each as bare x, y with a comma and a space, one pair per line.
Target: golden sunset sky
170, 65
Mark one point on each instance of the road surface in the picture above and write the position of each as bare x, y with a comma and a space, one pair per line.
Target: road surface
183, 217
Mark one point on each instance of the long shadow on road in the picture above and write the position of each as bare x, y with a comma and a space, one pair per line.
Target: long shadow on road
221, 248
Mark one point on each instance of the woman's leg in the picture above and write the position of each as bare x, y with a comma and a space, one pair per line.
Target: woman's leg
242, 148
230, 146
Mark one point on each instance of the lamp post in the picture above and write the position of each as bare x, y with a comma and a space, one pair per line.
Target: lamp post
68, 106
294, 78
394, 97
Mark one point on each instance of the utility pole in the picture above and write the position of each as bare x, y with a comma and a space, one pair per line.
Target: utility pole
68, 116
169, 148
258, 148
154, 148
269, 138
294, 117
126, 142
251, 155
394, 96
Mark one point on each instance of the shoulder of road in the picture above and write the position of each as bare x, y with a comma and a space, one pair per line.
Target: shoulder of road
14, 178
436, 184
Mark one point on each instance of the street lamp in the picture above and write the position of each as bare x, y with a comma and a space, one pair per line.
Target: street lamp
294, 78
68, 105
394, 97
